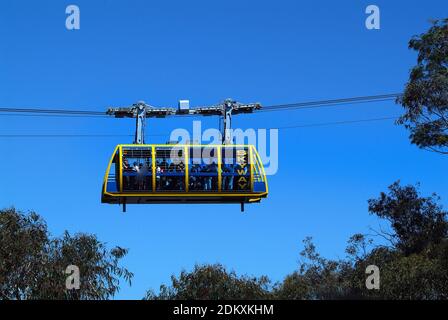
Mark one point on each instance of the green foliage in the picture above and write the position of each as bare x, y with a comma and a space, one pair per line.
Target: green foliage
212, 282
317, 277
417, 221
413, 266
414, 277
412, 258
425, 98
23, 244
32, 264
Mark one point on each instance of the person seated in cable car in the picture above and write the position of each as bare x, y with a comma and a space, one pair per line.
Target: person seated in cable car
228, 178
163, 168
172, 167
180, 166
164, 165
179, 184
141, 176
166, 183
212, 169
126, 167
195, 184
136, 169
126, 164
208, 179
195, 168
148, 175
158, 172
203, 168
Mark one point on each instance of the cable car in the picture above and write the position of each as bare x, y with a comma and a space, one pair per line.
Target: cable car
138, 174
142, 173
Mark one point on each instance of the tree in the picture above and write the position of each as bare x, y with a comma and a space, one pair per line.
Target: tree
417, 221
32, 263
317, 278
413, 265
425, 98
212, 282
413, 262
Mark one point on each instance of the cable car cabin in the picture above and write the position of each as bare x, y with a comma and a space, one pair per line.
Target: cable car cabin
143, 174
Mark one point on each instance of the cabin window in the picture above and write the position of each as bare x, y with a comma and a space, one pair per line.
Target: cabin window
203, 169
170, 169
112, 181
137, 169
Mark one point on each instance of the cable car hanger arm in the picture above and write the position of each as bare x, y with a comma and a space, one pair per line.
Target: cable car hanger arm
141, 111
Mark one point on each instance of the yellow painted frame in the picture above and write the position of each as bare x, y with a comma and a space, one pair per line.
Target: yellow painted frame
108, 170
263, 176
120, 156
219, 156
251, 168
187, 164
251, 195
153, 156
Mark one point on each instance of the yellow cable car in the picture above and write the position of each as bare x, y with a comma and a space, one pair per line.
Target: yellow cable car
173, 173
142, 173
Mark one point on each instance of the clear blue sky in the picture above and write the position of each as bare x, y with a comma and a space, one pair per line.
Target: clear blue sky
161, 51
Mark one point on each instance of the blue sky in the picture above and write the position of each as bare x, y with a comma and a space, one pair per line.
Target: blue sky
273, 52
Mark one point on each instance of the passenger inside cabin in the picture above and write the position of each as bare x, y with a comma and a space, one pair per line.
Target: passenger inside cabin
126, 164
202, 176
142, 176
227, 179
126, 167
195, 168
164, 165
181, 166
